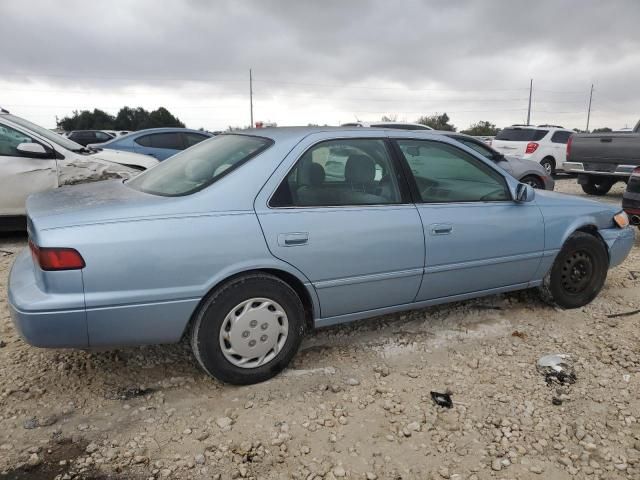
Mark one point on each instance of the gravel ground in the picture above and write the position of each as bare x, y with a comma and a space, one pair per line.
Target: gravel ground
355, 403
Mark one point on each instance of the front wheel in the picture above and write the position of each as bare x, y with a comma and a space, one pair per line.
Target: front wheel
248, 330
578, 273
597, 186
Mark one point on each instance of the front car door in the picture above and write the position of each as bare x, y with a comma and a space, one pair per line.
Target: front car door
20, 176
339, 211
477, 237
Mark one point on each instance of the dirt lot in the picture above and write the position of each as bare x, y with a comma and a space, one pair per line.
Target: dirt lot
355, 403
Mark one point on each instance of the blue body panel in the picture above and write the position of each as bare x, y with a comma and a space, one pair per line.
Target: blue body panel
150, 260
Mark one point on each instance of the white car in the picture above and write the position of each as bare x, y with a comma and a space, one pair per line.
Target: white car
545, 144
397, 125
34, 159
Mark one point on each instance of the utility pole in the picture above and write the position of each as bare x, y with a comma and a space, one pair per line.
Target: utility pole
529, 110
251, 97
589, 110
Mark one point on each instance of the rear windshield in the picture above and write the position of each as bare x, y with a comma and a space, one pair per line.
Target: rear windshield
199, 166
521, 134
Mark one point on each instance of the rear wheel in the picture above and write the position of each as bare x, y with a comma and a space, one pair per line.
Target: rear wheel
597, 186
534, 181
578, 273
549, 165
248, 330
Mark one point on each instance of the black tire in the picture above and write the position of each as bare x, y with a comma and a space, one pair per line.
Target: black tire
597, 186
578, 273
210, 317
549, 165
534, 181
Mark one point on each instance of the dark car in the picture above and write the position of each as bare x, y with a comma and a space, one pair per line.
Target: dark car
631, 198
85, 137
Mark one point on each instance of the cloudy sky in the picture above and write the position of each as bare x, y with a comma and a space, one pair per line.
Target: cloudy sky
323, 62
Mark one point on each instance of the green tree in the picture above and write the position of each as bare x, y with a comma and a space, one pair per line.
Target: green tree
601, 130
482, 128
389, 118
86, 120
437, 122
127, 119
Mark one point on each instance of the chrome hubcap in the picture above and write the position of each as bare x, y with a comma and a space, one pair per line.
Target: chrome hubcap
254, 332
547, 167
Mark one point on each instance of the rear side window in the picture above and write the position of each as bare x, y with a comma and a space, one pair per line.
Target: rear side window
171, 141
521, 134
560, 137
200, 166
191, 139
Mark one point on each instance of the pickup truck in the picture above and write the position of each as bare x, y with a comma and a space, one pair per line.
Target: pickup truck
602, 159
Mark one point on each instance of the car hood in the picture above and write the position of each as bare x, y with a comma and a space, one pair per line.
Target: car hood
125, 158
97, 202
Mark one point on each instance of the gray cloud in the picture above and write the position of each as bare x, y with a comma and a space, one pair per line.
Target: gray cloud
459, 56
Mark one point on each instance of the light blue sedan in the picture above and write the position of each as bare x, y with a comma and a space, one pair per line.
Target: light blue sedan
248, 240
160, 143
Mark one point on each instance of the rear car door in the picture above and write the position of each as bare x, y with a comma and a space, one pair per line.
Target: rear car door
558, 146
20, 176
477, 238
341, 215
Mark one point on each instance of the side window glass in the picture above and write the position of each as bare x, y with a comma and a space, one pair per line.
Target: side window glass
167, 140
144, 141
560, 137
9, 141
481, 149
190, 139
339, 173
444, 173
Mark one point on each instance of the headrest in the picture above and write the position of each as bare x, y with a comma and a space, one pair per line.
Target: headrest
316, 174
360, 169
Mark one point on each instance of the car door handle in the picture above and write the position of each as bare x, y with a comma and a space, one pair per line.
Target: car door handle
441, 229
293, 239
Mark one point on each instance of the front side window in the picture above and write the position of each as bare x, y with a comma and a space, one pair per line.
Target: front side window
444, 173
200, 166
560, 137
340, 173
9, 141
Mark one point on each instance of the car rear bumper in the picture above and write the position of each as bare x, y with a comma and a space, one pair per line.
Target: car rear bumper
631, 205
612, 170
44, 319
619, 243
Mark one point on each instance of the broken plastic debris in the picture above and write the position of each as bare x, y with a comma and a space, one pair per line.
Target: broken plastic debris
442, 399
557, 368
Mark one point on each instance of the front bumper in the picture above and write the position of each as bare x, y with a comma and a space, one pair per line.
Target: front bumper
616, 171
619, 243
44, 319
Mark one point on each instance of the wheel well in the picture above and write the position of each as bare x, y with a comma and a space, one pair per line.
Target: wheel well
549, 157
286, 277
593, 231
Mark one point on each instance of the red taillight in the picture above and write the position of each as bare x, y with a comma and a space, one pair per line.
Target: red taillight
56, 258
531, 147
636, 172
569, 142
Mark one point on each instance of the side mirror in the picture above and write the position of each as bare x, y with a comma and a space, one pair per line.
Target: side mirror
33, 150
525, 193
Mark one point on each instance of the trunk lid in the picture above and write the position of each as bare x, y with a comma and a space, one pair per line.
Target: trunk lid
89, 203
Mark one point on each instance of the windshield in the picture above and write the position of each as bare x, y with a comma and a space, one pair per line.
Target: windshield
43, 132
199, 166
521, 134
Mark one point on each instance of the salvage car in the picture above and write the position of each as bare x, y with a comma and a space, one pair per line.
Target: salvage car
631, 198
160, 143
34, 159
243, 243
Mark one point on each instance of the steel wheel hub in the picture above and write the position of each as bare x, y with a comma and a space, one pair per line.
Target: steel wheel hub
577, 272
254, 332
